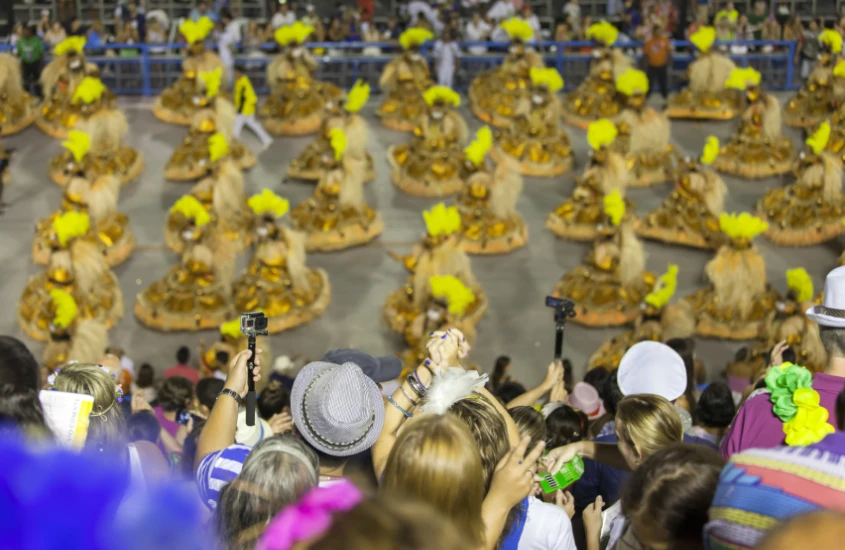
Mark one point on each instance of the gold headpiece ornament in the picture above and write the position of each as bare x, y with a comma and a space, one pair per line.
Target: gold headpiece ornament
196, 31
799, 282
231, 329
601, 133
89, 90
66, 309
357, 96
632, 82
78, 143
70, 225
818, 140
603, 33
268, 202
192, 209
518, 29
73, 44
549, 78
741, 227
451, 289
703, 38
337, 138
710, 150
614, 207
415, 37
218, 147
665, 288
832, 39
440, 220
740, 79
442, 93
477, 150
212, 80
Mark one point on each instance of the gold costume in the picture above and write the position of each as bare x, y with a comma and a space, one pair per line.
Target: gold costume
181, 100
690, 214
214, 359
535, 138
77, 267
610, 285
581, 217
756, 149
73, 338
295, 104
739, 299
596, 98
811, 210
404, 80
706, 96
495, 96
429, 165
824, 89
16, 111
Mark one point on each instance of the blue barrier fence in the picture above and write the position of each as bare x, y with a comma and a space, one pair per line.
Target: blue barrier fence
147, 69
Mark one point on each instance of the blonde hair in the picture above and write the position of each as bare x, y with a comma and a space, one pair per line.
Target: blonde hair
107, 424
435, 461
648, 423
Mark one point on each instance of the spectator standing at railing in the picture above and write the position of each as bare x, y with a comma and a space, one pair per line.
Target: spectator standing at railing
156, 35
446, 57
201, 11
631, 18
227, 42
533, 21
139, 22
757, 19
245, 101
658, 55
43, 25
614, 7
283, 16
392, 30
572, 9
55, 35
477, 30
809, 47
31, 53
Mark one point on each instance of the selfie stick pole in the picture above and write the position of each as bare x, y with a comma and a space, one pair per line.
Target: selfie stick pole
250, 395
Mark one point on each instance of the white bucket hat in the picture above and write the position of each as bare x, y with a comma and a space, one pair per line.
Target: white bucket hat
832, 312
652, 367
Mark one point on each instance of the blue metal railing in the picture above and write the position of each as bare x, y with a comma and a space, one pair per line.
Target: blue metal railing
146, 69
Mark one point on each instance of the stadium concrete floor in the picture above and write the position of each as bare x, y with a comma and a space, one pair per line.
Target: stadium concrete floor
517, 323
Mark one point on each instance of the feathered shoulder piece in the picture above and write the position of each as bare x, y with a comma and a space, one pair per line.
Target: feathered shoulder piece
703, 38
218, 147
518, 29
710, 150
601, 133
476, 151
453, 385
299, 32
89, 90
196, 31
357, 96
740, 79
741, 227
632, 82
70, 44
549, 78
66, 309
231, 329
337, 138
440, 220
192, 209
78, 143
453, 291
818, 140
800, 283
268, 202
415, 37
832, 40
442, 93
614, 207
70, 225
603, 32
212, 80
665, 288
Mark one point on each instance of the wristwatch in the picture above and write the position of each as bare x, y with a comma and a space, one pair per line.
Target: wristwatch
232, 394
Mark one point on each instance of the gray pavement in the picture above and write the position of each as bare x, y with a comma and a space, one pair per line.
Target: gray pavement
517, 323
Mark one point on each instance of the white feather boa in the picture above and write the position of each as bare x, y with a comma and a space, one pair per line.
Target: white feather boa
451, 386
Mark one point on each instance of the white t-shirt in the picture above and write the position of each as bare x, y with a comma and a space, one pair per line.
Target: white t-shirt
477, 33
501, 10
280, 20
573, 11
534, 23
547, 527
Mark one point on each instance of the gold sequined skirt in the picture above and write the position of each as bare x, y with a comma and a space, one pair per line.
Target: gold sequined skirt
330, 226
799, 216
285, 305
113, 236
722, 106
540, 155
484, 233
399, 311
684, 220
309, 165
126, 164
426, 172
594, 99
401, 109
296, 112
751, 158
495, 94
578, 217
716, 320
15, 114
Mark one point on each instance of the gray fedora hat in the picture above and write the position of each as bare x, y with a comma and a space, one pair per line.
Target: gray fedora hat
337, 408
379, 369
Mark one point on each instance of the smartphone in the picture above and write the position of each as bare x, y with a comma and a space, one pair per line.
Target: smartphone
182, 417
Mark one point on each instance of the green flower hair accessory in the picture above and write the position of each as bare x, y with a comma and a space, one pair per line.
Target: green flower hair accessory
782, 381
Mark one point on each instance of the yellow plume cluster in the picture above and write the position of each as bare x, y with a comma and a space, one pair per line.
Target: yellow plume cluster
518, 29
212, 80
799, 282
602, 32
839, 69
192, 209
357, 96
442, 93
614, 207
89, 90
818, 140
832, 39
415, 37
268, 202
73, 44
70, 225
337, 138
218, 147
703, 38
742, 78
632, 82
665, 288
440, 220
451, 289
601, 133
78, 143
232, 329
741, 226
66, 309
549, 78
196, 31
710, 150
293, 34
477, 150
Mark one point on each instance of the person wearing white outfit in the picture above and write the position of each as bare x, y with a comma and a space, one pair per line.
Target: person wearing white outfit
478, 30
446, 54
227, 43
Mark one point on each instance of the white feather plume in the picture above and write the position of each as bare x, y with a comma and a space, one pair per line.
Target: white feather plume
451, 386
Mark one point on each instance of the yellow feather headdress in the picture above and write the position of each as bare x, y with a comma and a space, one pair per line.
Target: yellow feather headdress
477, 150
89, 90
78, 143
740, 79
218, 147
232, 329
614, 207
832, 39
839, 69
632, 82
192, 209
70, 44
415, 37
603, 33
710, 150
66, 309
71, 225
440, 220
518, 29
357, 96
665, 288
442, 93
703, 38
742, 226
818, 140
549, 78
196, 31
293, 34
268, 202
337, 138
601, 133
451, 289
212, 80
799, 282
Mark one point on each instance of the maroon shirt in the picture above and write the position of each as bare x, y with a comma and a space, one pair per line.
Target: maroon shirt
183, 370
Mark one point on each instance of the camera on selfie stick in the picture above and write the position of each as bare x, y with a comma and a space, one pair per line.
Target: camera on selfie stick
252, 325
564, 310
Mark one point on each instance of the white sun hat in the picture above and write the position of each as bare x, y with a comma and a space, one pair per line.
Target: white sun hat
832, 312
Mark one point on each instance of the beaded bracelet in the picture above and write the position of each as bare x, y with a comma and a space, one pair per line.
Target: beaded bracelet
408, 397
398, 406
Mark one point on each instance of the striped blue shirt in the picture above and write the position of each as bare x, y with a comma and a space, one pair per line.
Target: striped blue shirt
219, 469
